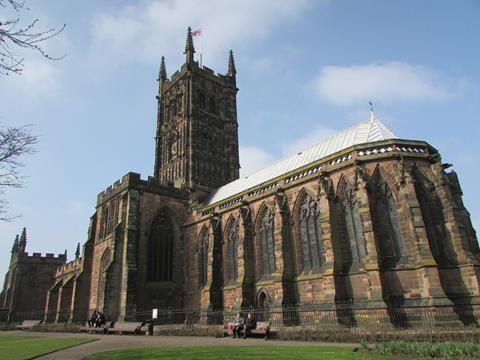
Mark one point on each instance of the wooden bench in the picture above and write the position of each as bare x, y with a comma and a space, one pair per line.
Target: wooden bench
126, 328
96, 330
28, 324
263, 328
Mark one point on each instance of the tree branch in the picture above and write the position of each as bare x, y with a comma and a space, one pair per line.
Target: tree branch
24, 37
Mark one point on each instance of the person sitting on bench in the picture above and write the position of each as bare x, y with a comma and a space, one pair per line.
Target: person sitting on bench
238, 325
92, 322
100, 320
250, 324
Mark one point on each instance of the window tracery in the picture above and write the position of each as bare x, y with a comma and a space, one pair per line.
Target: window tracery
203, 258
267, 242
233, 242
352, 224
390, 238
160, 248
310, 234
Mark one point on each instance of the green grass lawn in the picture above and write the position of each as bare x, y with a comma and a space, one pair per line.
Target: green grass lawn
237, 352
25, 347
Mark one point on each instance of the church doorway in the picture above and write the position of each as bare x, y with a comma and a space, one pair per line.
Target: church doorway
263, 306
102, 302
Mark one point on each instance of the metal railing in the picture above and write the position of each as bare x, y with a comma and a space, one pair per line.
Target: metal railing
332, 316
326, 316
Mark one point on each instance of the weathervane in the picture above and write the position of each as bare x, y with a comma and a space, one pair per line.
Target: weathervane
372, 114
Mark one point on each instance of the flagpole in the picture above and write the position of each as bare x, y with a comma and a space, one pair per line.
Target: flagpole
201, 50
197, 33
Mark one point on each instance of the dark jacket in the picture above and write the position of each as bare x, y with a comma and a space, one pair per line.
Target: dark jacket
251, 323
239, 321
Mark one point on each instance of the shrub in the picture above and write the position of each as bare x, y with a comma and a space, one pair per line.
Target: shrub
444, 350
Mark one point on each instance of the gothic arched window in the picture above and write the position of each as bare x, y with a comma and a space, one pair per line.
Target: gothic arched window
387, 225
160, 248
352, 224
203, 258
232, 233
267, 242
310, 234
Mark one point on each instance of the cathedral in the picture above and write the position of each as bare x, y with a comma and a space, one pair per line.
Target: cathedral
361, 218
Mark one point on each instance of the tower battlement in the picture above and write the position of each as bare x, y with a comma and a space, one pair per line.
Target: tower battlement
70, 267
118, 186
134, 180
47, 257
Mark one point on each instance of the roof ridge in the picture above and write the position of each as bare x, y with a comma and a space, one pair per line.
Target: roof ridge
310, 146
357, 134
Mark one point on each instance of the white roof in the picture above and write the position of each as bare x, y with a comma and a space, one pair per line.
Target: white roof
367, 131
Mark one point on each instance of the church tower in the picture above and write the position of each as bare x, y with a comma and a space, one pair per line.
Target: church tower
197, 136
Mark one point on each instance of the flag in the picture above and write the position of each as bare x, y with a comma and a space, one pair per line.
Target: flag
197, 32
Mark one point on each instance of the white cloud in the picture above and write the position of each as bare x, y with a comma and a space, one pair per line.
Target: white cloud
252, 159
150, 29
392, 81
313, 137
40, 77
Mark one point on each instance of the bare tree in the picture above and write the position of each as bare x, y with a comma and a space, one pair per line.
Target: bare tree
14, 35
15, 142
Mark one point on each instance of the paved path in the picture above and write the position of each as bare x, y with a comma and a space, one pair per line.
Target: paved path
116, 342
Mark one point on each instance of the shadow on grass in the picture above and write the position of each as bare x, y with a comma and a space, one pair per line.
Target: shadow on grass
27, 347
236, 352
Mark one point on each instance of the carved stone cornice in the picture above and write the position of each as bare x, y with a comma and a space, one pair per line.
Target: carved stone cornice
280, 201
361, 178
325, 188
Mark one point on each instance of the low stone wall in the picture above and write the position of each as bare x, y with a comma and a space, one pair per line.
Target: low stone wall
4, 326
338, 335
188, 330
356, 335
299, 333
64, 327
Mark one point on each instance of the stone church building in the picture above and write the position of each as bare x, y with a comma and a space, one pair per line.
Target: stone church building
361, 218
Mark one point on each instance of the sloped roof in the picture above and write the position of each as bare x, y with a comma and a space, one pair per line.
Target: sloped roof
367, 131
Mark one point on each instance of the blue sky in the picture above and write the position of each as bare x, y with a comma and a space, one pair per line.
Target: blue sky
305, 70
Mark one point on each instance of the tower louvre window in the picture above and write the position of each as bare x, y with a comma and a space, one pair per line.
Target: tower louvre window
212, 106
201, 100
179, 104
